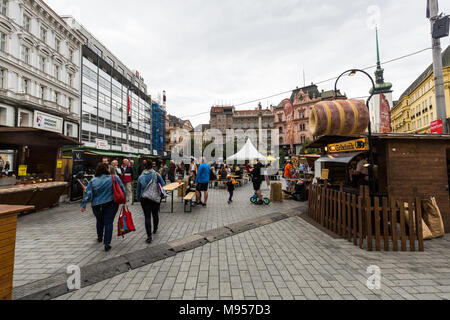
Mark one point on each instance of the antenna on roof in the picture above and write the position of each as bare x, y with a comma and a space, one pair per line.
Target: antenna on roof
304, 78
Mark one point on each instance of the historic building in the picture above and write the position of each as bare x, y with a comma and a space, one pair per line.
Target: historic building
39, 69
381, 103
221, 118
172, 126
416, 108
303, 100
116, 113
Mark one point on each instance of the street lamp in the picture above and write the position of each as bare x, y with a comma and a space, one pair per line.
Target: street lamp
351, 73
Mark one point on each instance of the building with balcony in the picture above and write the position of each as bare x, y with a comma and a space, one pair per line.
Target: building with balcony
159, 115
40, 68
416, 108
116, 112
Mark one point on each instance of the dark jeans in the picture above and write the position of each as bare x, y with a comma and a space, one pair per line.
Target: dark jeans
105, 215
171, 177
151, 209
231, 192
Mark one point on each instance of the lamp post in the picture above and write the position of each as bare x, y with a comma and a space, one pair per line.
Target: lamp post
352, 72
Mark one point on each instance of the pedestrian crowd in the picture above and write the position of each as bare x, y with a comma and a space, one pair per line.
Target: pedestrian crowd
145, 184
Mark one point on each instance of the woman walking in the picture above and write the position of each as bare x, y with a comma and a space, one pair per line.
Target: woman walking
100, 192
147, 188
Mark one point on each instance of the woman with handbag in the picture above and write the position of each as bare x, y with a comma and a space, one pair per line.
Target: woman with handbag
100, 192
149, 193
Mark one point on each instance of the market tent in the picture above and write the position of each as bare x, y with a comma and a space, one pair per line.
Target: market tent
248, 152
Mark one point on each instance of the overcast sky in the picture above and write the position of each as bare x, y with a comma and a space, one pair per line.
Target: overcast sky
206, 52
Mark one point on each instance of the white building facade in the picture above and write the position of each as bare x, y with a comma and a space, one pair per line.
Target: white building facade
108, 88
40, 68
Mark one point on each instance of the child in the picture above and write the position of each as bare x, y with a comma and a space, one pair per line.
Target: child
230, 187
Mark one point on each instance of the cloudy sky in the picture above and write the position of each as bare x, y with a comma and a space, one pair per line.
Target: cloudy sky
206, 52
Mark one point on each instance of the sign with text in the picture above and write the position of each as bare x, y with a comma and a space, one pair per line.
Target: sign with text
23, 170
126, 148
437, 127
102, 144
59, 164
349, 146
48, 122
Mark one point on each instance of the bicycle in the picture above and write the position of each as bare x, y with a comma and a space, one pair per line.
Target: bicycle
254, 200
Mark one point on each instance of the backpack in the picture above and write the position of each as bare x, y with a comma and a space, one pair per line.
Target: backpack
152, 191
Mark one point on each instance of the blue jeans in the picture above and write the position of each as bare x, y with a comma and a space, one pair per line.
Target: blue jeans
105, 214
231, 192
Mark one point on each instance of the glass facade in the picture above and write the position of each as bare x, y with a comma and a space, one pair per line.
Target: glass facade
104, 112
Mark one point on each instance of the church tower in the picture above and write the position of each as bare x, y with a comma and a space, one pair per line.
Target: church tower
381, 103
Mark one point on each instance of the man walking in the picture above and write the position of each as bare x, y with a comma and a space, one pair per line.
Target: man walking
202, 181
127, 180
257, 180
172, 169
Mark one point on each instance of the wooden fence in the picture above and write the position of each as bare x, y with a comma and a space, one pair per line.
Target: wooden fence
381, 223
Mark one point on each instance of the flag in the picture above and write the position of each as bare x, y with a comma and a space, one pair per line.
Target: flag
129, 109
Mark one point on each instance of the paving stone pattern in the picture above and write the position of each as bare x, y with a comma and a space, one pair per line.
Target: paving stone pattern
289, 260
49, 241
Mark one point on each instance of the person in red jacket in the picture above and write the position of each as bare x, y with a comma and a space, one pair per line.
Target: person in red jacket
127, 180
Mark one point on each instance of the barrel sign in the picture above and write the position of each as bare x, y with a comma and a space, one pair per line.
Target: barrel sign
339, 117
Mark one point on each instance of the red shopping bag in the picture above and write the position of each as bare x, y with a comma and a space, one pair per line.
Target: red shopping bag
125, 224
119, 197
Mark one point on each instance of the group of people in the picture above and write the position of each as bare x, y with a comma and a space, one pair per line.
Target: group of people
101, 194
100, 189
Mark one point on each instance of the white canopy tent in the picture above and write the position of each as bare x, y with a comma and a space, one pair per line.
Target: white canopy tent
248, 152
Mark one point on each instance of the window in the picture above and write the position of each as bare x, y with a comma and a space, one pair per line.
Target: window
97, 51
3, 7
57, 97
57, 72
26, 86
44, 35
70, 79
70, 104
26, 23
25, 54
58, 45
71, 55
2, 42
42, 92
42, 63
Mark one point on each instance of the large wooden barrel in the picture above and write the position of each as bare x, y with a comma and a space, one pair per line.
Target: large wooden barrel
339, 117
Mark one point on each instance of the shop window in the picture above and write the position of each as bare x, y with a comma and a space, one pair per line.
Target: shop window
25, 119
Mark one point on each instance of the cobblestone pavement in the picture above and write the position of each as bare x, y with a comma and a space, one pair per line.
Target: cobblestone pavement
285, 260
49, 241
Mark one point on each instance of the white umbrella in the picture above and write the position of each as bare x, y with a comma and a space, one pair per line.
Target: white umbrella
248, 152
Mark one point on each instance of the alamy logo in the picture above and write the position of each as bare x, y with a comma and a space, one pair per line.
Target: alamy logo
374, 280
74, 278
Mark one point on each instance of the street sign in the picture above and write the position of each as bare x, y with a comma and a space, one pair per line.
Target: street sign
349, 146
437, 127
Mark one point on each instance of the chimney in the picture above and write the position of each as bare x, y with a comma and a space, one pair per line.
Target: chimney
164, 98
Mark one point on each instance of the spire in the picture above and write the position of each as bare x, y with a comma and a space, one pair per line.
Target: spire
380, 86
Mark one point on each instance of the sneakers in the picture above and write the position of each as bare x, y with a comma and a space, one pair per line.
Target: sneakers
149, 240
108, 248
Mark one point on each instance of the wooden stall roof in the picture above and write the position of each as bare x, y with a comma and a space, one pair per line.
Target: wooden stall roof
323, 141
14, 137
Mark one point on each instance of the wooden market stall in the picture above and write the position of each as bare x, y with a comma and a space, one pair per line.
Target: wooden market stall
39, 175
409, 170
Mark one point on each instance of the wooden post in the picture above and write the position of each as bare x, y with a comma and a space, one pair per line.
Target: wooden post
419, 221
394, 224
349, 217
385, 224
377, 223
402, 225
360, 221
354, 225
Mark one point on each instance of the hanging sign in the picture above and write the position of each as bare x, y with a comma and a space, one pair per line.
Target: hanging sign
59, 164
349, 146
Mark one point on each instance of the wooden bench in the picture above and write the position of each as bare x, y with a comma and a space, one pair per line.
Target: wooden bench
188, 202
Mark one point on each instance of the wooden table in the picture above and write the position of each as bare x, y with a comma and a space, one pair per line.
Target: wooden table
8, 226
170, 188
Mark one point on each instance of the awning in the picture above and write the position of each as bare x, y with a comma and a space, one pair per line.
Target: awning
21, 136
108, 153
340, 158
